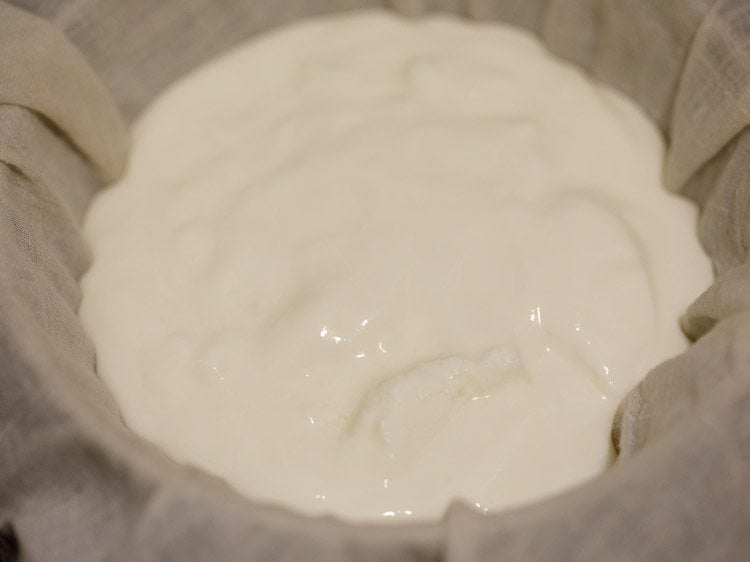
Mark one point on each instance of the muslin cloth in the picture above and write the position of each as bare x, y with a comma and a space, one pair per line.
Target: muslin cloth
76, 485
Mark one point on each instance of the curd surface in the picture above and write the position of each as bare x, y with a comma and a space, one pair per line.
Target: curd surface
366, 266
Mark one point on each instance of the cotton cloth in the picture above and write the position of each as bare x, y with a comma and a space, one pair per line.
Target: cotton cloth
76, 485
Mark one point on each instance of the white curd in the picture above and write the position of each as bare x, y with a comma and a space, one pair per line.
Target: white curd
365, 266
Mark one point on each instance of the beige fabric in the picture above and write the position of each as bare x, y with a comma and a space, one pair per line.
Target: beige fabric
60, 92
76, 485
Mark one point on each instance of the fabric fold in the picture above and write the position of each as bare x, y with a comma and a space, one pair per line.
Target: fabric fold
42, 71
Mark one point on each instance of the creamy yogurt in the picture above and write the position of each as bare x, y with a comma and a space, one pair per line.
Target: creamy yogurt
365, 266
